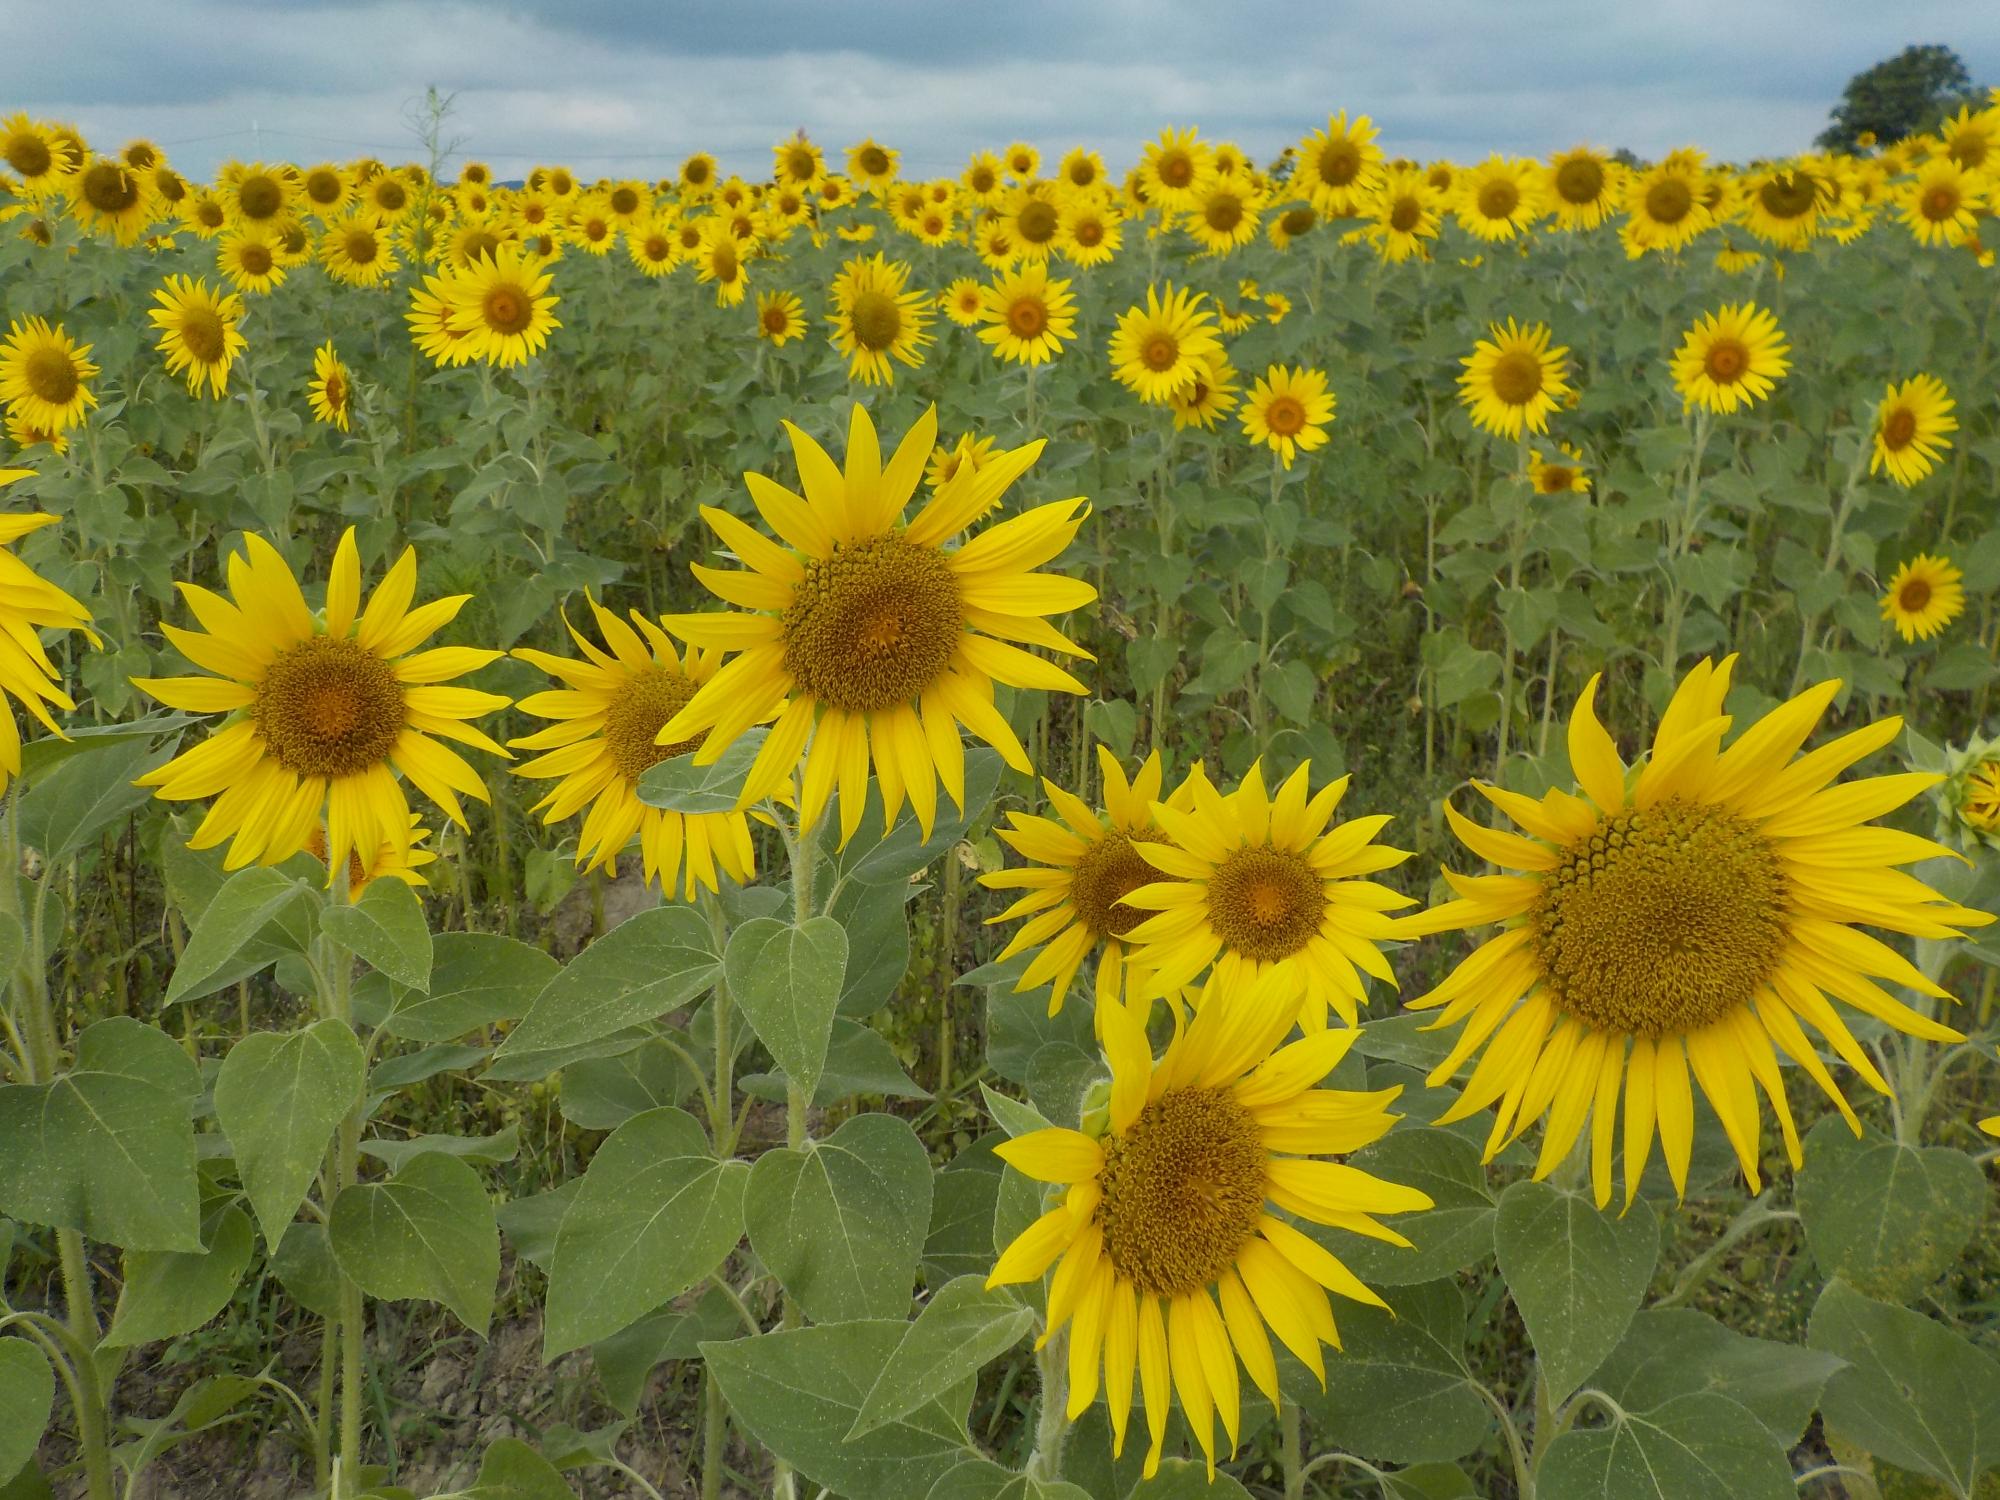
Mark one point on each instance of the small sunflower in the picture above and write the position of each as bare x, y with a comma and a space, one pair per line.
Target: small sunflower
1405, 214
1082, 169
394, 859
1168, 1208
1291, 222
1910, 428
1160, 348
1925, 594
1224, 215
30, 604
325, 190
325, 710
1582, 187
108, 197
502, 307
1027, 317
1251, 882
875, 321
256, 193
985, 179
962, 300
1561, 474
1683, 920
1730, 358
872, 165
1288, 411
354, 250
697, 177
1500, 198
203, 213
44, 376
1022, 161
719, 260
1091, 233
877, 640
330, 393
1782, 206
25, 434
1175, 170
39, 157
1941, 203
1513, 379
1340, 167
781, 317
197, 332
797, 162
249, 260
970, 452
1207, 400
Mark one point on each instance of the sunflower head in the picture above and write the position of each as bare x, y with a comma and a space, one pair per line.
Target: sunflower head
1924, 595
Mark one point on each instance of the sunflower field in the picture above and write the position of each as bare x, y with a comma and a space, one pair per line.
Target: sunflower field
1313, 828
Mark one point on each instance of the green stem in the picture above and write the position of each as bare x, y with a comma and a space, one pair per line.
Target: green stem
1290, 1450
1808, 619
714, 1435
1050, 1427
350, 1326
721, 1121
322, 1432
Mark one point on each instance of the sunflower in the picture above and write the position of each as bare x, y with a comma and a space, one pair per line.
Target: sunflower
1940, 204
355, 251
1209, 398
1159, 349
1090, 234
502, 307
106, 196
1910, 428
38, 157
330, 393
1971, 138
797, 162
1499, 199
1173, 1203
1277, 307
934, 227
1564, 474
29, 604
1513, 380
471, 239
43, 375
1288, 411
871, 633
256, 193
1340, 167
781, 317
718, 260
1288, 224
1405, 215
591, 225
325, 709
1082, 169
1925, 595
874, 320
650, 245
1225, 215
1686, 918
1022, 161
203, 212
1253, 882
872, 165
1582, 187
249, 261
25, 434
197, 332
1027, 316
1174, 170
995, 246
697, 177
1782, 206
969, 452
1082, 868
1032, 220
962, 300
984, 178
431, 327
394, 859
1730, 358
1979, 802
387, 195
605, 737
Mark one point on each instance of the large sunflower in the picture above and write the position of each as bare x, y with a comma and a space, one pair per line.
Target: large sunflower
197, 332
1251, 882
29, 604
1162, 348
606, 736
43, 374
1288, 411
324, 710
501, 307
1185, 1196
1910, 428
1924, 595
1027, 316
883, 641
874, 320
1513, 380
1083, 868
1683, 919
1730, 358
38, 157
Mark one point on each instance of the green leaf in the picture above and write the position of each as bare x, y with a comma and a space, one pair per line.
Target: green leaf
64, 810
653, 962
107, 1148
306, 1269
279, 1098
40, 757
532, 1223
786, 981
1886, 1218
502, 1146
247, 903
1913, 1392
1450, 1237
1675, 1351
1576, 1274
679, 785
168, 1293
894, 859
387, 930
859, 1060
626, 1358
842, 1223
960, 1329
1698, 1444
656, 1213
27, 1398
511, 1470
798, 1391
602, 1093
960, 1241
1186, 1479
427, 1232
396, 1073
1398, 1388
1011, 1114
983, 1479
476, 978
877, 923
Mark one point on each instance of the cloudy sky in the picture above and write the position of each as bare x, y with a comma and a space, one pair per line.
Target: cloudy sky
629, 87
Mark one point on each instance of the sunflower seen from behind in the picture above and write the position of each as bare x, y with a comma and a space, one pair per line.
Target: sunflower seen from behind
1175, 1252
1924, 595
29, 605
1288, 411
197, 332
1731, 358
324, 709
877, 639
44, 376
1910, 429
1678, 926
1513, 380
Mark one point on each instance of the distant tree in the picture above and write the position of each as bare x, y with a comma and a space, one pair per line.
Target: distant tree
1899, 96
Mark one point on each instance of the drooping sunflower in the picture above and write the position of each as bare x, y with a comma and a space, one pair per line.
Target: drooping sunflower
330, 393
1340, 167
25, 434
30, 604
606, 736
876, 321
1560, 474
197, 332
781, 317
1159, 349
39, 157
878, 640
1174, 1205
1082, 869
962, 300
1513, 379
402, 860
1910, 428
1027, 317
108, 197
325, 709
1288, 411
1683, 920
1583, 187
1500, 198
1251, 882
1730, 358
1924, 595
249, 260
1211, 397
502, 307
44, 375
1291, 222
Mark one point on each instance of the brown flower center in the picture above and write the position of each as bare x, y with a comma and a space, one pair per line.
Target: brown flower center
329, 707
507, 309
1110, 870
1914, 596
203, 334
109, 188
1898, 428
1726, 361
633, 721
51, 375
29, 154
1183, 1190
1027, 317
1339, 163
1498, 200
1265, 903
1580, 181
1161, 352
877, 320
1517, 377
1285, 416
1669, 200
1036, 222
873, 625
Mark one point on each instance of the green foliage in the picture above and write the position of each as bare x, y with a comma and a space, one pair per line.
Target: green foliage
787, 981
427, 1231
279, 1098
1887, 1218
27, 1396
1576, 1274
